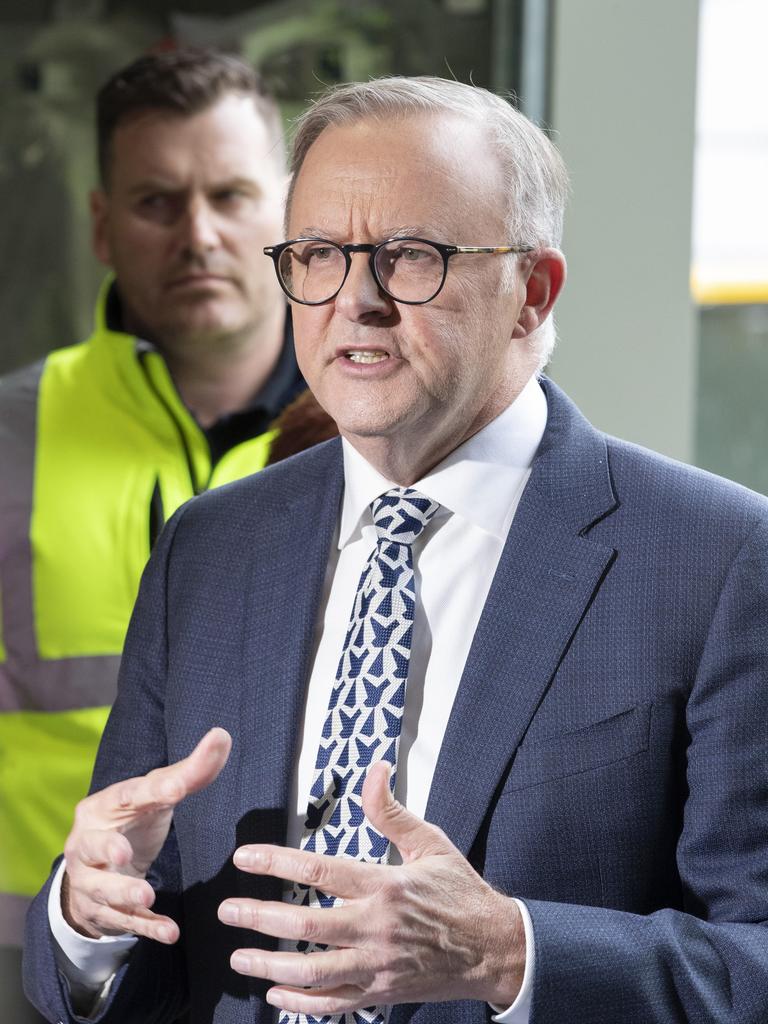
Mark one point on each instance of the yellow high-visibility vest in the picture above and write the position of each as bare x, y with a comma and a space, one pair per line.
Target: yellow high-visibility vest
96, 451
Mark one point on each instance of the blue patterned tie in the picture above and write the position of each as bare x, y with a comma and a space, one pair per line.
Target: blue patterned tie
365, 710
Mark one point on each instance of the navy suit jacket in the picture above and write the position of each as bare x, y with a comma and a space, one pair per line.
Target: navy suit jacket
605, 759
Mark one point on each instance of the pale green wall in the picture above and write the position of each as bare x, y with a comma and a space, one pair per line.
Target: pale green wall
732, 409
623, 106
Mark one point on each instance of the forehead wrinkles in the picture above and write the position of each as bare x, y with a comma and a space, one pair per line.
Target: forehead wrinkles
380, 176
348, 203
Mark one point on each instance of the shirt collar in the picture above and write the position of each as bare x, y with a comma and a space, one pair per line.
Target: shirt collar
481, 480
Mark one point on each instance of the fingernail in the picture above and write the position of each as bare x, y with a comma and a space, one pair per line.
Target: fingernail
240, 962
138, 896
247, 858
229, 913
165, 934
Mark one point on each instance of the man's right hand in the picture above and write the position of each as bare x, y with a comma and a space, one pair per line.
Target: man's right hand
116, 836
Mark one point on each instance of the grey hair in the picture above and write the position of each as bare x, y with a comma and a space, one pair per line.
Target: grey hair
534, 172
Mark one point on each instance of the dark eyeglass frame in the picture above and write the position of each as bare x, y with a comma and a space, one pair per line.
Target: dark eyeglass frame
446, 251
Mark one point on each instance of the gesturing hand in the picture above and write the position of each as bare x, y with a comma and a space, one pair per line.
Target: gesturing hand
117, 834
428, 930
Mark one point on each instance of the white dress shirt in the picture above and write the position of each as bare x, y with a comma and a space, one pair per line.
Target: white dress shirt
478, 487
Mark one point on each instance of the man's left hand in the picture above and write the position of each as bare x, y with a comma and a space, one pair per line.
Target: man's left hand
428, 930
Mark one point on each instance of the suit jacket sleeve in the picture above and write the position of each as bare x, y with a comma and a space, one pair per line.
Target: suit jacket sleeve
709, 961
151, 986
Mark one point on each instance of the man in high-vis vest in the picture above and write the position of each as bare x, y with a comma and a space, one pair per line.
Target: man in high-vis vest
175, 392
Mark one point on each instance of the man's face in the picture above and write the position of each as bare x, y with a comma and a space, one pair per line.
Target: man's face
191, 201
443, 369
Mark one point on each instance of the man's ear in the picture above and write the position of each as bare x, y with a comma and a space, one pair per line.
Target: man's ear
545, 278
99, 203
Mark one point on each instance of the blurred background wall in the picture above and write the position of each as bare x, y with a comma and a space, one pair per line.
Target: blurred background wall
623, 102
656, 107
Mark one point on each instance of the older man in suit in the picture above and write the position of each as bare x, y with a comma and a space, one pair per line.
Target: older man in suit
525, 779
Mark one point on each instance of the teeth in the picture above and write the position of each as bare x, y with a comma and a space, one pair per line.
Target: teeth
366, 357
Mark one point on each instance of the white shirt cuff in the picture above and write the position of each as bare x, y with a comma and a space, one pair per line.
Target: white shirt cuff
84, 962
520, 1011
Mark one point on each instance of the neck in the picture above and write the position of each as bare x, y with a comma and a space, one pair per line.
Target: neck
405, 456
403, 464
219, 379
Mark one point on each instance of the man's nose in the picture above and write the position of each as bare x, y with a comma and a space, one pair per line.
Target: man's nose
360, 295
200, 233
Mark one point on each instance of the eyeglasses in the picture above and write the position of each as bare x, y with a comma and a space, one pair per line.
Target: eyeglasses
410, 270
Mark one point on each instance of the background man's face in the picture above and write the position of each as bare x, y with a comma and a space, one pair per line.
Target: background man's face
190, 203
447, 367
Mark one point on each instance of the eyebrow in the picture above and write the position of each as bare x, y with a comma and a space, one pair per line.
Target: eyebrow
407, 231
152, 185
245, 184
168, 186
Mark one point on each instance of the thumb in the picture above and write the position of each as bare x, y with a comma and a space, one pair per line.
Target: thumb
413, 837
203, 765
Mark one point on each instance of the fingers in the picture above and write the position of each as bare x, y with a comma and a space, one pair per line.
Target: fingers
105, 920
342, 999
412, 836
336, 876
313, 983
344, 877
316, 970
204, 764
107, 903
416, 933
99, 848
117, 835
165, 787
110, 889
339, 926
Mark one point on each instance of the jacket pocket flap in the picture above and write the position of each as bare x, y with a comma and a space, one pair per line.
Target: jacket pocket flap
554, 757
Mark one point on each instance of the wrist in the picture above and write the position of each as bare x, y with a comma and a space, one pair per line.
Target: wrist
504, 964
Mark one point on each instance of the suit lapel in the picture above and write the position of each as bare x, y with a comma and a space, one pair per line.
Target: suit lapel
547, 576
291, 543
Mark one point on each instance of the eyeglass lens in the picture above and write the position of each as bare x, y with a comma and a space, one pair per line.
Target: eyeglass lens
410, 270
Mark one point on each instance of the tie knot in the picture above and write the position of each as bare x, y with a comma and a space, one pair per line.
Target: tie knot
401, 514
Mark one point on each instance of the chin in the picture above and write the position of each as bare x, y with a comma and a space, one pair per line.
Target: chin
205, 329
367, 425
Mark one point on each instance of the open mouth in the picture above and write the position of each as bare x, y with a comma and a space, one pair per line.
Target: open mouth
371, 356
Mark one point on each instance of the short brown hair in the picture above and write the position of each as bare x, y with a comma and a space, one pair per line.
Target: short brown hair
184, 81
